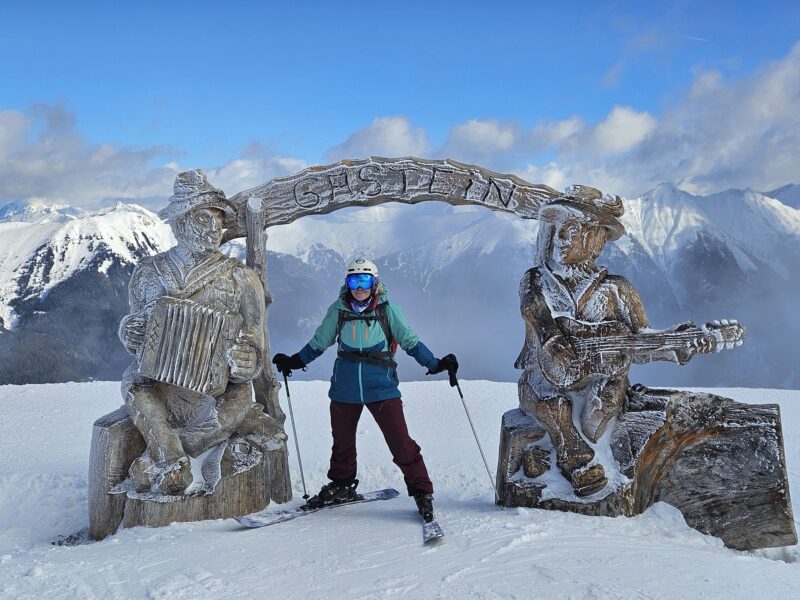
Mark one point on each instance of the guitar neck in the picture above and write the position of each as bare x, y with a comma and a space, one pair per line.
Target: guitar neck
640, 342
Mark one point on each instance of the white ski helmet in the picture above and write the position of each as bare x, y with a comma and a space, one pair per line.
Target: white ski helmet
362, 265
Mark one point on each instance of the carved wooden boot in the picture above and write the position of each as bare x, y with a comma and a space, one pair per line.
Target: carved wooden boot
573, 453
176, 478
588, 480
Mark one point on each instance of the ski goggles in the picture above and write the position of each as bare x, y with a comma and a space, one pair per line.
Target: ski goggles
363, 281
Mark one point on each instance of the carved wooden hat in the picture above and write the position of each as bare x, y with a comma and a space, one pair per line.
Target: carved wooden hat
588, 205
192, 191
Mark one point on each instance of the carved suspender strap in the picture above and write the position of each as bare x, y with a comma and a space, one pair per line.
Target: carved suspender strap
201, 276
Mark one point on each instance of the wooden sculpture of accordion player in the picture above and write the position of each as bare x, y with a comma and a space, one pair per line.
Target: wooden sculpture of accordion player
196, 328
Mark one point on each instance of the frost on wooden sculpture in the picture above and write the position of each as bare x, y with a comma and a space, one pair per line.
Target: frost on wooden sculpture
190, 443
584, 440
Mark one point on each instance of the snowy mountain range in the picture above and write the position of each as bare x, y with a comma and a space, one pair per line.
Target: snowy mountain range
38, 210
455, 271
788, 194
63, 288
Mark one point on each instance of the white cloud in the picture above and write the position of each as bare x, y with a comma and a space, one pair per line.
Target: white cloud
557, 133
623, 129
721, 133
550, 174
736, 133
384, 136
477, 141
13, 126
42, 155
245, 173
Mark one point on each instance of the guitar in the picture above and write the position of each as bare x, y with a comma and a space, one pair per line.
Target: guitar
610, 347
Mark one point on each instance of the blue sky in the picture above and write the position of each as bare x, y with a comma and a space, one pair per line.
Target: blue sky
116, 98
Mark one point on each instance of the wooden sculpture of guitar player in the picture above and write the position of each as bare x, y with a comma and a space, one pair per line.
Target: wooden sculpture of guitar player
584, 328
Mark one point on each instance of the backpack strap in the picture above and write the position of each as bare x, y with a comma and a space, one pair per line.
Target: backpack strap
380, 316
383, 319
339, 325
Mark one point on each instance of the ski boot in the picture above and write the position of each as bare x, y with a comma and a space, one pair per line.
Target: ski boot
425, 506
335, 492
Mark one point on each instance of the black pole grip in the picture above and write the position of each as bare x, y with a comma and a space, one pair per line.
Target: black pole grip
453, 379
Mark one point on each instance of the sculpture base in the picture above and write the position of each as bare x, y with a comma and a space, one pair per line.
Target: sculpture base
252, 470
720, 462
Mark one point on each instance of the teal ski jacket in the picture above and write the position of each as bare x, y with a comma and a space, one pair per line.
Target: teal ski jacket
358, 382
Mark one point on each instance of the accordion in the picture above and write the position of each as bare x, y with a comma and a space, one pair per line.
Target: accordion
185, 345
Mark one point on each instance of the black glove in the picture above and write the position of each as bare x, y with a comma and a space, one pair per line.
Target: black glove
448, 363
286, 364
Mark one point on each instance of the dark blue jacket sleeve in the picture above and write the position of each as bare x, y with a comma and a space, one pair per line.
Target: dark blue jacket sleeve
420, 353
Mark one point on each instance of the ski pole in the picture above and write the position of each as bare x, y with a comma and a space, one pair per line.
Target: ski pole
296, 443
454, 383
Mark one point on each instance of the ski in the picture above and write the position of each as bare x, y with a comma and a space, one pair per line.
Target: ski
431, 532
263, 519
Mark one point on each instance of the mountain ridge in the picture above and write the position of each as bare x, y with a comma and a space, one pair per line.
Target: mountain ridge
689, 256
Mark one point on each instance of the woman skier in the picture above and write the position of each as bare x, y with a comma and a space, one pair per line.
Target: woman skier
368, 328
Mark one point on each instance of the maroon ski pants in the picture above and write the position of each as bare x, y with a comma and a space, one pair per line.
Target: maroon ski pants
388, 414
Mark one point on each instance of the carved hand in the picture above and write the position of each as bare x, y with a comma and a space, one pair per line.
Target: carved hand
684, 355
728, 334
560, 350
243, 360
132, 330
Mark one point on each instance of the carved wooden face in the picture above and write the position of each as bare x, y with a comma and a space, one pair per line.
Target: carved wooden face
575, 242
200, 229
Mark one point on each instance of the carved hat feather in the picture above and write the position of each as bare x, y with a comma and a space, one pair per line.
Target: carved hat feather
588, 205
192, 191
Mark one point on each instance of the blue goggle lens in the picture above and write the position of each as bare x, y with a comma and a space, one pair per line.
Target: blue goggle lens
364, 281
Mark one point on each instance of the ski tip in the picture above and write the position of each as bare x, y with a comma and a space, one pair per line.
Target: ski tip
244, 521
431, 532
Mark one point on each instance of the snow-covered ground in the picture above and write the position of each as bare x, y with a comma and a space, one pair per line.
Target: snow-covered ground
366, 551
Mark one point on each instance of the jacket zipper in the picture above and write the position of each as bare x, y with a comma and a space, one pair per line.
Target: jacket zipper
360, 382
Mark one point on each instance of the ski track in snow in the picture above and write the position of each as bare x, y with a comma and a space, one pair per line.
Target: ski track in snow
363, 551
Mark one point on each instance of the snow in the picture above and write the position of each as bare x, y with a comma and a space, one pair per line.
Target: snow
751, 224
51, 251
366, 551
788, 194
36, 209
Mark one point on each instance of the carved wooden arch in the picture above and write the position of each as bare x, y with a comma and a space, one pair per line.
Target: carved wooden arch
323, 189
